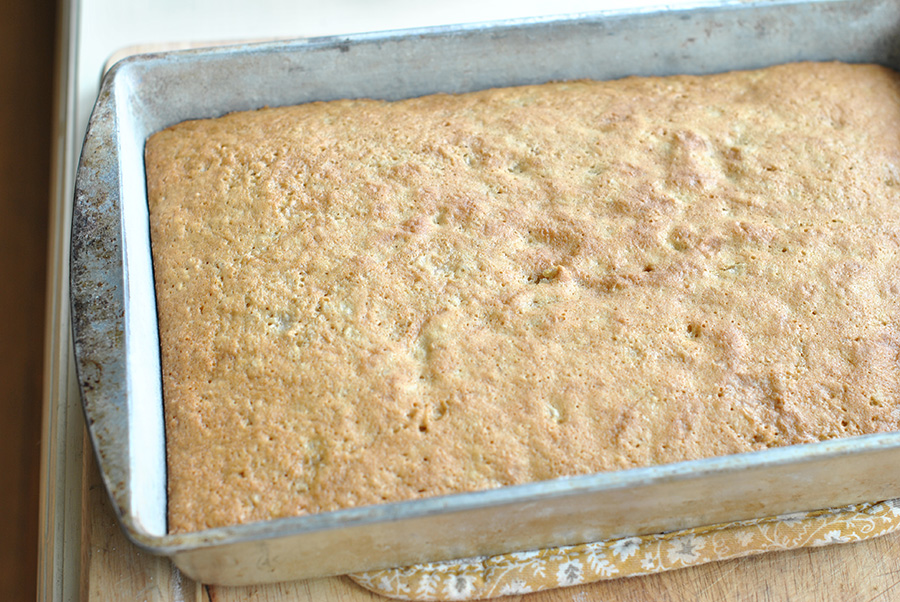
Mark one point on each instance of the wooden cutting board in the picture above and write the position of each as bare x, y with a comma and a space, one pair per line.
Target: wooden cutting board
114, 569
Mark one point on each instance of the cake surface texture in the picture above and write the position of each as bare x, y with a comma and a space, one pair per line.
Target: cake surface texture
363, 301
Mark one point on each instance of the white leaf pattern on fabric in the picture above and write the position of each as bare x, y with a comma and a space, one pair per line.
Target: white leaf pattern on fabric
830, 538
516, 586
427, 585
649, 563
626, 548
685, 549
745, 537
602, 566
459, 587
569, 573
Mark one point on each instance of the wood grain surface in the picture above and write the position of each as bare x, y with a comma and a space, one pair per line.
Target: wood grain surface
27, 32
867, 572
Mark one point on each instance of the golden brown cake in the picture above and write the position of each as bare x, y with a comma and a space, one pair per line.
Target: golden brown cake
364, 301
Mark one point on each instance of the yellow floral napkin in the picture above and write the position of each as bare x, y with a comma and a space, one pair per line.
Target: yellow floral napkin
523, 572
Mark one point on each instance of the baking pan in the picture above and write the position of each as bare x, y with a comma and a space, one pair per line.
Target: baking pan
114, 314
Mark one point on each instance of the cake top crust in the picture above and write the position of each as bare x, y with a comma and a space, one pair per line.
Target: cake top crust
365, 301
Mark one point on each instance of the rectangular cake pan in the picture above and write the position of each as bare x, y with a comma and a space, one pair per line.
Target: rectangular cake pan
114, 314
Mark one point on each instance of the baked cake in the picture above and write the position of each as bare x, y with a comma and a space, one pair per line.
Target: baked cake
364, 301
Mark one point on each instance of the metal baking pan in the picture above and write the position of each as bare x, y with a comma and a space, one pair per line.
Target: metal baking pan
114, 315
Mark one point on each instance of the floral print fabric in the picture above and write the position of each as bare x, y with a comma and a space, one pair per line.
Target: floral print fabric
523, 572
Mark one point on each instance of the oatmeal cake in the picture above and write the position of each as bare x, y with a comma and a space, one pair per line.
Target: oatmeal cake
364, 301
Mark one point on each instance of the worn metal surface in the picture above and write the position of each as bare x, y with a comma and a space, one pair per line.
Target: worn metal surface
116, 343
